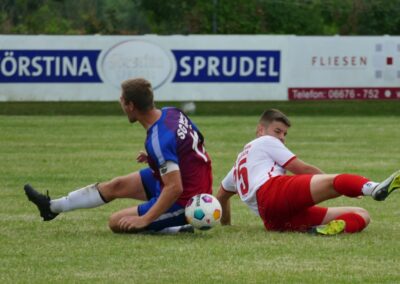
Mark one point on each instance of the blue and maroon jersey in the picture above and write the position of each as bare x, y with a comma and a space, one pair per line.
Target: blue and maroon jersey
174, 137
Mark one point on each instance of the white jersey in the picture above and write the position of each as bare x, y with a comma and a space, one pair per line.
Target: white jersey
261, 159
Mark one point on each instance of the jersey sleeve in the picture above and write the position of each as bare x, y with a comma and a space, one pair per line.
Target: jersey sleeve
228, 183
279, 152
168, 167
163, 148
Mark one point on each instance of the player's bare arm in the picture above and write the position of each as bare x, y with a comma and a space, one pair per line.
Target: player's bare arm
297, 167
223, 197
171, 191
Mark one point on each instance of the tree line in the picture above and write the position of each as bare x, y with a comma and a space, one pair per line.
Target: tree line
164, 17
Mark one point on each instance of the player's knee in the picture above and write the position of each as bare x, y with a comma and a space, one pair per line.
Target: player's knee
113, 223
116, 184
364, 214
110, 189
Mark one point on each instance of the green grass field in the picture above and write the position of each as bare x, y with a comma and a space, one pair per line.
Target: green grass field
61, 153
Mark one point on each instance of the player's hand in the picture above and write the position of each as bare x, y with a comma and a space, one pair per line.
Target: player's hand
142, 157
132, 223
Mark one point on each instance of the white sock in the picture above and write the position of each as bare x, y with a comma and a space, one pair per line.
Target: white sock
369, 187
87, 197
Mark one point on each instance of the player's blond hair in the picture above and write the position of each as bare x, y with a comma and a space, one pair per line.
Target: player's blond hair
139, 92
271, 115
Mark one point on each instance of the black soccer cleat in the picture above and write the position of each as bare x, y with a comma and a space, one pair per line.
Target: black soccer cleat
386, 187
41, 201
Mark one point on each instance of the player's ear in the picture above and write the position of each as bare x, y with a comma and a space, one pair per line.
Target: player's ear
131, 106
260, 131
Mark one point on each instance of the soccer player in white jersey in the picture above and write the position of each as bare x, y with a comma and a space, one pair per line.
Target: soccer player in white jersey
288, 202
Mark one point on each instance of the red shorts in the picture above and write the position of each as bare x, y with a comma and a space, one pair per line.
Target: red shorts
285, 204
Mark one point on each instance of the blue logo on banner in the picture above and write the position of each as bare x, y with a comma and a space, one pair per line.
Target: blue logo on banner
235, 66
49, 66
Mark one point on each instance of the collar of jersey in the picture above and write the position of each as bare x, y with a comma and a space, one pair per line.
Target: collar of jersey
163, 112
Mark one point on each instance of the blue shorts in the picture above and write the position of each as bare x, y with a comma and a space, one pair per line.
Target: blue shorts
175, 216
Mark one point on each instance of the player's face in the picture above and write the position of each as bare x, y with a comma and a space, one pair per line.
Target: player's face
276, 129
128, 109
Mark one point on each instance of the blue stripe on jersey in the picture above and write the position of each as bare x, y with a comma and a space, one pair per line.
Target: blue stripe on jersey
155, 143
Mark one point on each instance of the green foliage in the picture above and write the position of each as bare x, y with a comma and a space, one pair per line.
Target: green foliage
71, 17
300, 17
381, 17
240, 17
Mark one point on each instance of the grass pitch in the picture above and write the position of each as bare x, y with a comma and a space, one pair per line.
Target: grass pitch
62, 153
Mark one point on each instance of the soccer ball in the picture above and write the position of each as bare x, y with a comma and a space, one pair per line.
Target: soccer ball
203, 211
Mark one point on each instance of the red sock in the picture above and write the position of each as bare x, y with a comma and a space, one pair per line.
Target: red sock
349, 185
354, 222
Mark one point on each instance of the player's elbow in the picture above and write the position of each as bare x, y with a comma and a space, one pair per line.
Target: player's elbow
175, 190
178, 190
220, 195
173, 184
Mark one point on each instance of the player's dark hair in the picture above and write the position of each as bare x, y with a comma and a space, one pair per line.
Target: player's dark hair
139, 92
271, 115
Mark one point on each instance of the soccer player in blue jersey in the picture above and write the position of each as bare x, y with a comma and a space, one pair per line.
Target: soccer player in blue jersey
179, 168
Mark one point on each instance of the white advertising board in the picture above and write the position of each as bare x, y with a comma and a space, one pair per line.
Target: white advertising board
200, 67
180, 68
344, 68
